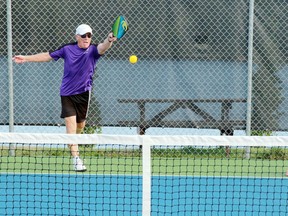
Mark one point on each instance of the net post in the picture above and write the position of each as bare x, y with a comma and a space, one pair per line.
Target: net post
146, 178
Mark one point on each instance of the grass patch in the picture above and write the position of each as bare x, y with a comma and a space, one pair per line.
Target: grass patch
264, 162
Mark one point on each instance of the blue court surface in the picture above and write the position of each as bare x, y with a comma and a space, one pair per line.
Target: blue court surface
82, 194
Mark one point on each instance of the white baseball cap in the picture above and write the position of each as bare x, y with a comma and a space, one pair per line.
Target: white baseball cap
83, 29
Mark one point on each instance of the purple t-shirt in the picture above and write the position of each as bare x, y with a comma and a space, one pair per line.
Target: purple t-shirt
79, 66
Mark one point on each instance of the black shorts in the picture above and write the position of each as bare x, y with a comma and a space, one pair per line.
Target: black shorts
76, 105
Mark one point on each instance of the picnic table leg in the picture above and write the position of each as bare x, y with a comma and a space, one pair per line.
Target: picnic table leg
141, 131
227, 129
227, 132
141, 128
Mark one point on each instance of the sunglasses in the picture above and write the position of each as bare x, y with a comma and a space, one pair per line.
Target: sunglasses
89, 35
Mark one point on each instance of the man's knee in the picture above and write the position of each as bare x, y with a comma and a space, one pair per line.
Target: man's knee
79, 130
80, 127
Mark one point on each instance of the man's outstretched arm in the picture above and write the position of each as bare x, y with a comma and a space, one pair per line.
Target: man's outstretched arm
40, 57
106, 44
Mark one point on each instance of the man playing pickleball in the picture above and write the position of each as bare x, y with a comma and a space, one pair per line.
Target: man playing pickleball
80, 60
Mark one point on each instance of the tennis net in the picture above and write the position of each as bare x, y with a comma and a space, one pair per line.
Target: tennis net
143, 175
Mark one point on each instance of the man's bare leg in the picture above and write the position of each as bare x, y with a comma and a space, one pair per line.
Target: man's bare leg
74, 128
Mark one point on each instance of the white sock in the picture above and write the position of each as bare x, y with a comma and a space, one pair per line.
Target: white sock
75, 159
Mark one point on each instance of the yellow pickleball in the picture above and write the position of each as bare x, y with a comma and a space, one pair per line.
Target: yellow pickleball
133, 59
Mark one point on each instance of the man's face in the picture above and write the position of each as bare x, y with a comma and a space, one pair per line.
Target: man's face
84, 40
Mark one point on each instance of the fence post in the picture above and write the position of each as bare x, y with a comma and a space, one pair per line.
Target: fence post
10, 74
250, 69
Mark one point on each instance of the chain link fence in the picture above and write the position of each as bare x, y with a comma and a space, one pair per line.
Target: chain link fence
192, 76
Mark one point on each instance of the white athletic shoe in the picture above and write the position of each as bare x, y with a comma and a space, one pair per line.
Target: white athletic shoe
78, 165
